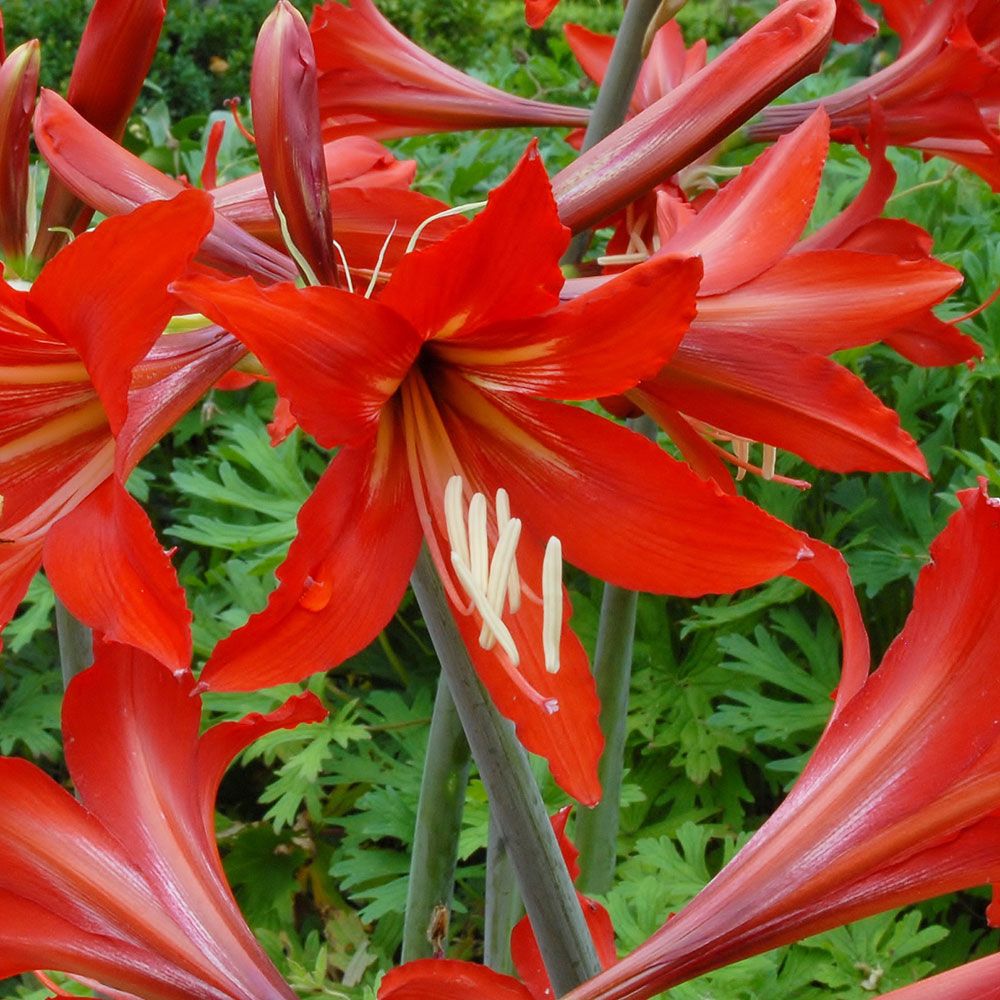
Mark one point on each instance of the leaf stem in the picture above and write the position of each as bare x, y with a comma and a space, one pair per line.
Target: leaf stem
549, 896
439, 823
503, 902
76, 644
596, 830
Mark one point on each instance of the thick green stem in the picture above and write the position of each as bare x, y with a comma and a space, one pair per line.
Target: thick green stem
503, 902
548, 893
439, 823
612, 101
76, 644
596, 830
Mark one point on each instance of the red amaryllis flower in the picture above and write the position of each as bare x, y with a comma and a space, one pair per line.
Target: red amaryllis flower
752, 367
784, 46
18, 87
941, 95
124, 889
285, 103
112, 61
898, 802
536, 12
82, 397
441, 378
368, 196
374, 81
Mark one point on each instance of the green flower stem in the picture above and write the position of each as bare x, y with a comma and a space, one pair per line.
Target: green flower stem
439, 823
596, 830
549, 896
76, 644
503, 902
613, 98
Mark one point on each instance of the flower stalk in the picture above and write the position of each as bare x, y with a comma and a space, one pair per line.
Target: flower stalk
439, 823
503, 902
549, 896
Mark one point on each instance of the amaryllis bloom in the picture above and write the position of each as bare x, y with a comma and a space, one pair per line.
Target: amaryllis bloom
368, 194
438, 392
374, 81
112, 60
18, 87
771, 306
941, 95
786, 45
285, 103
86, 388
123, 889
897, 804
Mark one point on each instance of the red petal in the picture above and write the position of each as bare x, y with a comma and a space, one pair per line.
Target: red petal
536, 12
973, 981
109, 289
853, 24
106, 565
441, 289
775, 393
595, 345
444, 979
756, 218
18, 87
114, 181
591, 50
344, 577
133, 749
345, 358
826, 300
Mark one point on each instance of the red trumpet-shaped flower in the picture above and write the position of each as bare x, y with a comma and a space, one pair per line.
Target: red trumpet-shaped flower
786, 45
18, 88
368, 195
772, 305
124, 889
85, 389
898, 803
444, 379
285, 103
375, 81
941, 95
112, 61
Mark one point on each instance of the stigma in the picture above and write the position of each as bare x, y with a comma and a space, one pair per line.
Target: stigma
491, 580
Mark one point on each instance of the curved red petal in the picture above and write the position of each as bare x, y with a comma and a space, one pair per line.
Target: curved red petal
757, 217
826, 300
776, 393
107, 567
343, 579
106, 294
445, 979
441, 289
345, 357
598, 344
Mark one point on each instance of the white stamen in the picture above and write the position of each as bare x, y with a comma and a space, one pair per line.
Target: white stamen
472, 206
294, 252
741, 449
770, 457
489, 616
378, 263
479, 553
552, 604
454, 518
500, 567
514, 578
347, 270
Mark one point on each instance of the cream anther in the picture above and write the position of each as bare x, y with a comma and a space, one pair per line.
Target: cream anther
489, 616
741, 449
479, 553
514, 579
500, 574
455, 519
768, 461
552, 604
